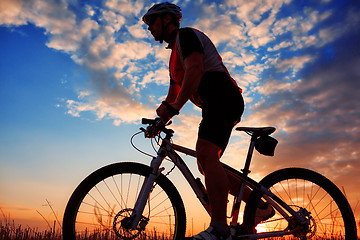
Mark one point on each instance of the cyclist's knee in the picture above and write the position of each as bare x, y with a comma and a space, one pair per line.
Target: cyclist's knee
204, 149
207, 154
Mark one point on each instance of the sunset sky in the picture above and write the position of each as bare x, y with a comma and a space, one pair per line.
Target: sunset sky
77, 76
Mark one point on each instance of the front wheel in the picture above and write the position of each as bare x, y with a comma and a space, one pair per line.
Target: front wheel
313, 196
102, 204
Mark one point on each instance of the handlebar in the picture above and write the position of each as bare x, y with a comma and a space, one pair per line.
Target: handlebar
148, 121
156, 126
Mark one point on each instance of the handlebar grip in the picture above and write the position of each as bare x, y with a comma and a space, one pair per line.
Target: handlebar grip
147, 121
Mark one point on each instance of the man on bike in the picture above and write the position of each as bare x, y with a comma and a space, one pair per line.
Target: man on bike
198, 74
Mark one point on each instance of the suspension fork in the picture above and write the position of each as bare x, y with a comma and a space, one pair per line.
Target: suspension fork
146, 189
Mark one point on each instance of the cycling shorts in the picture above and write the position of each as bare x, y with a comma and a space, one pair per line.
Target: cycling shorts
222, 108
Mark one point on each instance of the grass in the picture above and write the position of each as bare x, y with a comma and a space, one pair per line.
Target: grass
11, 231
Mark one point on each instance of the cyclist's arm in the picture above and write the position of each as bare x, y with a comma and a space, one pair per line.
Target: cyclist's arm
194, 70
173, 93
192, 77
162, 110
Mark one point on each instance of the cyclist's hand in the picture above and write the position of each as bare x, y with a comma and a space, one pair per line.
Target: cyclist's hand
151, 132
154, 129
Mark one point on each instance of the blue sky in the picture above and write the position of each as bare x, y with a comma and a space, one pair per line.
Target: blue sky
77, 76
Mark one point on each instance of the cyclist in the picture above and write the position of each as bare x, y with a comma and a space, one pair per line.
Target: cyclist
198, 74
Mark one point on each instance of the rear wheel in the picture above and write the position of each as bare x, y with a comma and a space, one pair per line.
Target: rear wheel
310, 194
102, 204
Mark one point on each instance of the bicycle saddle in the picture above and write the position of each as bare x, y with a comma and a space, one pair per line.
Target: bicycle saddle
257, 130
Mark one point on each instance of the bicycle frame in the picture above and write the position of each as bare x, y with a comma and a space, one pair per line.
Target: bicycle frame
168, 149
130, 199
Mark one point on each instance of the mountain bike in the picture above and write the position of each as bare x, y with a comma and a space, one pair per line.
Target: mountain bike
129, 200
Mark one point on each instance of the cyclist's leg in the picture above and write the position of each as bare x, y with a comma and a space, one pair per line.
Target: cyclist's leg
221, 110
213, 137
264, 211
211, 143
235, 186
216, 181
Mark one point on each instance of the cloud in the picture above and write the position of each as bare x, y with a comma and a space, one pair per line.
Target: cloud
160, 77
316, 112
280, 46
137, 30
93, 41
125, 7
238, 59
218, 30
295, 63
54, 16
113, 19
276, 86
122, 53
113, 58
253, 11
118, 110
70, 40
185, 127
10, 13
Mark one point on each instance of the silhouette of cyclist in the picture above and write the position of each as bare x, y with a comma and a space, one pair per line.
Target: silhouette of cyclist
198, 74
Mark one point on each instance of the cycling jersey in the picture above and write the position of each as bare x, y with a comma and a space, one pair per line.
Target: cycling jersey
187, 41
218, 94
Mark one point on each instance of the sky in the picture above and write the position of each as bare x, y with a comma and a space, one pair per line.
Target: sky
77, 76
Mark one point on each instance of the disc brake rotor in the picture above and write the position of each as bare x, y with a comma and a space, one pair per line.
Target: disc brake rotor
122, 222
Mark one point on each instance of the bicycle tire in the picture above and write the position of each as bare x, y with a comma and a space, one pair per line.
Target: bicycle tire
101, 201
330, 216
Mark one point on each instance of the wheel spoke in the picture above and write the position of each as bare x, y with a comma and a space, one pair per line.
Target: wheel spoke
314, 198
105, 201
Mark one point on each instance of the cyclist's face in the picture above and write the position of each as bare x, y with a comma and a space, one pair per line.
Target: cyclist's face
155, 27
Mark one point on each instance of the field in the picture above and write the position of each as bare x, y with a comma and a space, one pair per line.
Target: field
9, 230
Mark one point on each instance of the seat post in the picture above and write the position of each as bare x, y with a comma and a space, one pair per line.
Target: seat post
246, 170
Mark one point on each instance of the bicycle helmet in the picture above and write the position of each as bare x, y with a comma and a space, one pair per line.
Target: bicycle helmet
163, 8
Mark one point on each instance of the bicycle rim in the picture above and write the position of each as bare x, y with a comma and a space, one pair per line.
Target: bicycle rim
311, 195
102, 203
